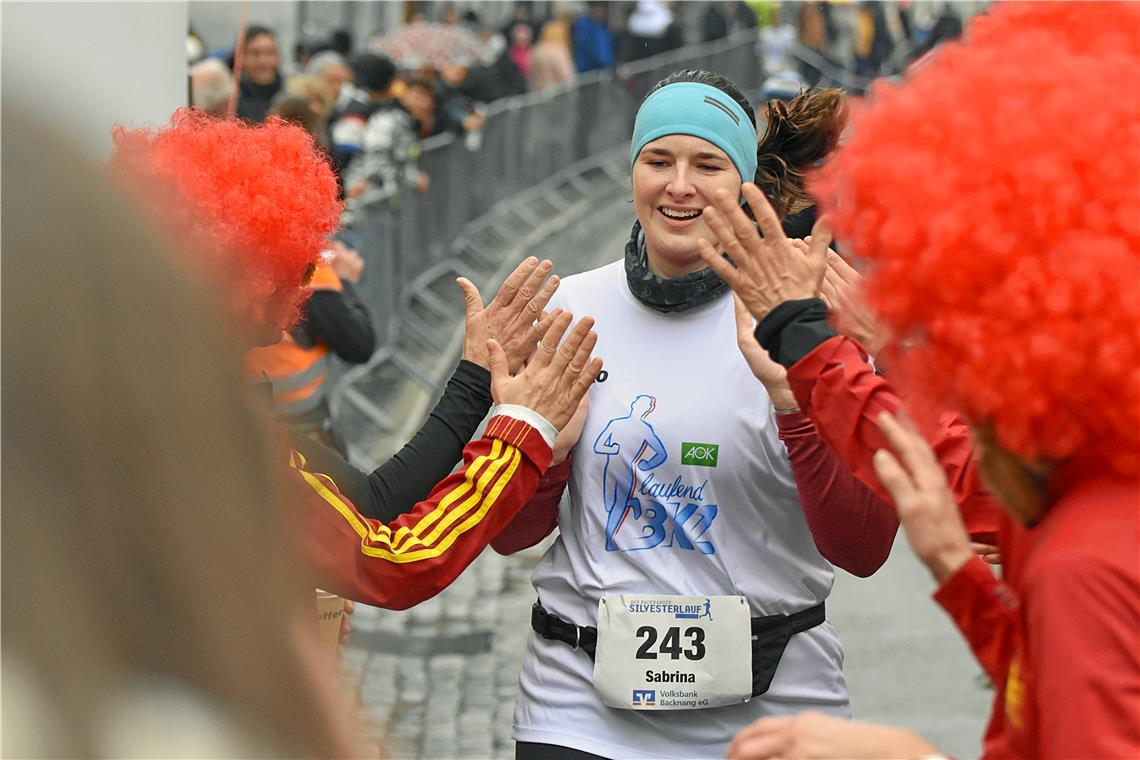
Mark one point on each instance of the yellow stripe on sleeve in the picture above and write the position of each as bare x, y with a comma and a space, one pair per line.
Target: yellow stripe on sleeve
443, 513
444, 534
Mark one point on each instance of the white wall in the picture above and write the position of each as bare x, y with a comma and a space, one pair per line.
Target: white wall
83, 67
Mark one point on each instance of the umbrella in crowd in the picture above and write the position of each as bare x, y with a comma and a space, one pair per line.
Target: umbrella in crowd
429, 44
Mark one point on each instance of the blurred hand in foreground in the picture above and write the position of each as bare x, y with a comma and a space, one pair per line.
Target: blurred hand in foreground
815, 735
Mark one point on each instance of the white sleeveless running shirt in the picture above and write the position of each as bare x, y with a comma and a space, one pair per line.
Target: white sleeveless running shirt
680, 485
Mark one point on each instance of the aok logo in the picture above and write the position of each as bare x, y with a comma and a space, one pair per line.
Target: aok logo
700, 454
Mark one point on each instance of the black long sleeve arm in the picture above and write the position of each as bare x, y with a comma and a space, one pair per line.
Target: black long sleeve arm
341, 321
394, 488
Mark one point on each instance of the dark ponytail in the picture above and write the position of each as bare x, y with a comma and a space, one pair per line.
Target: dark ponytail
799, 134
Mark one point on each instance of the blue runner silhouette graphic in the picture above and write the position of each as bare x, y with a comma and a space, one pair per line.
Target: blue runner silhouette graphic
626, 443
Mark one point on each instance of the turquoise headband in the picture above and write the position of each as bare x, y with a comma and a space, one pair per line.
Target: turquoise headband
700, 110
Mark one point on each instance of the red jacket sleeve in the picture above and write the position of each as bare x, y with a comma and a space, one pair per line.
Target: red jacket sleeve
836, 387
539, 518
852, 527
986, 611
420, 553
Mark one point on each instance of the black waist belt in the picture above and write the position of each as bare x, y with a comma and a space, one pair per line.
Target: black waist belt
770, 635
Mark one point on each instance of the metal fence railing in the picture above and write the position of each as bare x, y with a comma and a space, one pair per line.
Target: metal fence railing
525, 140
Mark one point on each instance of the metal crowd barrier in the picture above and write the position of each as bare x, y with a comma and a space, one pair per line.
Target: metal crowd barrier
525, 141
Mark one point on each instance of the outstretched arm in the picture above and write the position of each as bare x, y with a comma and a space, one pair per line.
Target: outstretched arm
514, 318
411, 559
414, 557
779, 284
852, 527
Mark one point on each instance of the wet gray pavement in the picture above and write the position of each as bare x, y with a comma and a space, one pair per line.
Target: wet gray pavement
439, 680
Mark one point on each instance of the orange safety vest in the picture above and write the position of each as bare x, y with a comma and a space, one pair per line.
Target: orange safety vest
296, 373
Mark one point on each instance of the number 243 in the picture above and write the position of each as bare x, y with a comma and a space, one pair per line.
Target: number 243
671, 643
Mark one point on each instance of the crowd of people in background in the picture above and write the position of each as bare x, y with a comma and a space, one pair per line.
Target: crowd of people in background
333, 86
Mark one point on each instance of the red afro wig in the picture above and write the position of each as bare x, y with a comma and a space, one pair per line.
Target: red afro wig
995, 195
256, 202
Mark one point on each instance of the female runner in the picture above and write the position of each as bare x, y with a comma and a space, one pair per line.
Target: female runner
691, 484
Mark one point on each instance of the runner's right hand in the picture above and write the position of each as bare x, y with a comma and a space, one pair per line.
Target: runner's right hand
556, 378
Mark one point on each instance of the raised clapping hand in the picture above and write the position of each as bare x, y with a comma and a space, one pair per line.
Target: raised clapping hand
555, 379
926, 507
515, 317
768, 270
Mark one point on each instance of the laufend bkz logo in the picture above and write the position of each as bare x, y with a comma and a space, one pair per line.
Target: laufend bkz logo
700, 454
644, 698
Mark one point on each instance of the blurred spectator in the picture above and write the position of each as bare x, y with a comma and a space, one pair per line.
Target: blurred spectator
593, 42
714, 24
470, 20
335, 323
211, 85
494, 46
316, 91
813, 27
873, 39
379, 151
306, 48
341, 42
260, 79
742, 16
299, 109
332, 70
947, 26
650, 30
520, 51
419, 100
520, 17
550, 61
373, 80
721, 19
141, 554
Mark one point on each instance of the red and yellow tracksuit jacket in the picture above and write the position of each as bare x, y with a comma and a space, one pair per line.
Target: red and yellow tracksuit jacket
416, 556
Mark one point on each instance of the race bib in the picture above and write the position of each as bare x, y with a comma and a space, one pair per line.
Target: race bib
673, 652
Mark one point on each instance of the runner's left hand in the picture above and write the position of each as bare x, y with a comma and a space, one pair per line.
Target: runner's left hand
773, 377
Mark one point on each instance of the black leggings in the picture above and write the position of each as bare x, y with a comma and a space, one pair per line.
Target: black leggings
536, 751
